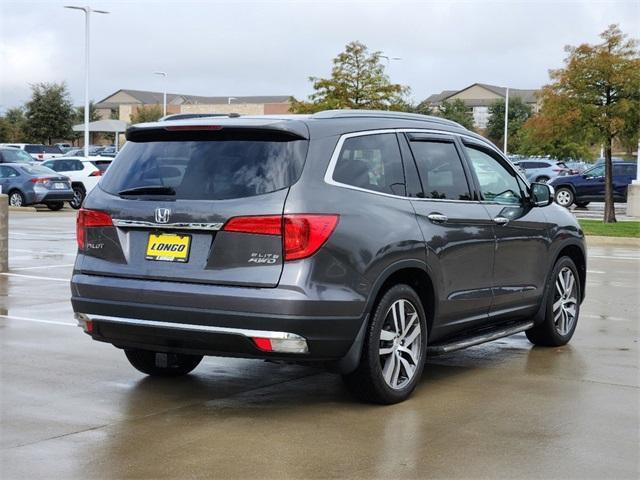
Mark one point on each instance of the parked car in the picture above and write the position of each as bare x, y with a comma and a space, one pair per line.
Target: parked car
589, 186
541, 170
108, 152
576, 167
29, 184
14, 155
359, 240
64, 147
37, 150
84, 174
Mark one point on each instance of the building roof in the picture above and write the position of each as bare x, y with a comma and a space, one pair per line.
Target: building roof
527, 95
145, 97
117, 126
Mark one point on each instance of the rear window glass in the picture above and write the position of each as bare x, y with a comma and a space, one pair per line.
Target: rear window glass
34, 148
208, 169
52, 149
37, 170
16, 156
101, 165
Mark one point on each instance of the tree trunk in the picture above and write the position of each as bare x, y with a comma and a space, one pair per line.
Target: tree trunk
609, 206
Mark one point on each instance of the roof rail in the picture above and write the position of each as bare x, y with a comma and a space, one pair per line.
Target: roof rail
346, 113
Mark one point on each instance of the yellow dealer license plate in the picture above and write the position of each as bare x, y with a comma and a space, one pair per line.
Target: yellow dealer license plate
168, 247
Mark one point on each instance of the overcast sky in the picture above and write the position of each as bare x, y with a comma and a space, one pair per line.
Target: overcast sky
271, 47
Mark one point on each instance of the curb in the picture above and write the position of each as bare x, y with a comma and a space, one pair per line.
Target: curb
22, 209
596, 240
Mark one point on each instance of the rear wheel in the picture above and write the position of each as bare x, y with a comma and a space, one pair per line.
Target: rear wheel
55, 206
16, 199
394, 351
564, 197
78, 197
162, 364
562, 309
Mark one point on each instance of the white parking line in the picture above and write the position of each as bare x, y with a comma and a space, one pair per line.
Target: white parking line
35, 277
596, 271
43, 266
37, 320
46, 252
610, 257
50, 234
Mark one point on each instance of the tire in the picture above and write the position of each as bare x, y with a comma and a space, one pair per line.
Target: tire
564, 197
78, 197
162, 364
55, 206
542, 179
582, 204
390, 377
16, 199
563, 302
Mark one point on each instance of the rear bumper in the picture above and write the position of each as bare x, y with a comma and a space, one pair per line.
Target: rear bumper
53, 196
215, 320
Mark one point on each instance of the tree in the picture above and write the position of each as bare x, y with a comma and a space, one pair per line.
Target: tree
147, 113
12, 126
357, 81
519, 112
49, 113
599, 88
457, 111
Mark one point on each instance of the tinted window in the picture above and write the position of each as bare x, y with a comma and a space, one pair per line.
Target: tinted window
37, 170
440, 170
7, 172
628, 169
10, 155
52, 149
595, 172
34, 148
101, 165
208, 169
372, 162
497, 183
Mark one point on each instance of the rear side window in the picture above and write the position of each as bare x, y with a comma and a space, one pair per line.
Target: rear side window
629, 169
440, 170
243, 166
372, 162
10, 155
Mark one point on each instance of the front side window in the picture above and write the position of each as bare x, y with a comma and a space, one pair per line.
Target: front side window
372, 162
497, 183
440, 170
595, 172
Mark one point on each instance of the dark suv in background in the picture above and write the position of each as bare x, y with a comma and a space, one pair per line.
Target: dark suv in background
589, 185
360, 241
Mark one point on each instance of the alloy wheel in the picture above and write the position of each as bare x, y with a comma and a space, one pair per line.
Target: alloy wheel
15, 200
564, 198
565, 302
78, 196
400, 344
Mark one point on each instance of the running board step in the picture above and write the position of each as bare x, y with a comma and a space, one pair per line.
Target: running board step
483, 337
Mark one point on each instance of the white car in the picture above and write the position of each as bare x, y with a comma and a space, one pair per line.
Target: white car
83, 172
38, 151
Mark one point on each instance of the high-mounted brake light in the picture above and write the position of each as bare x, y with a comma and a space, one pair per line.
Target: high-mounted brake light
178, 128
90, 219
303, 234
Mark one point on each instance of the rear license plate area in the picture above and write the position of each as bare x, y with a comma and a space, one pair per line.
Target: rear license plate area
168, 247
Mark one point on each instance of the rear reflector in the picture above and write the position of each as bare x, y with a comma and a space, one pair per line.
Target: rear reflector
90, 219
263, 344
282, 345
304, 234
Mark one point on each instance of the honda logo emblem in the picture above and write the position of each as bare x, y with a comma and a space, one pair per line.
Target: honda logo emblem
162, 215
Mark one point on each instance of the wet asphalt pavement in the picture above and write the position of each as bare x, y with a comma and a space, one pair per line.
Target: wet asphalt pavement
74, 408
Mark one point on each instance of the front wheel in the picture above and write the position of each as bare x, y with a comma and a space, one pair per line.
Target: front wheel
564, 197
562, 308
394, 350
162, 364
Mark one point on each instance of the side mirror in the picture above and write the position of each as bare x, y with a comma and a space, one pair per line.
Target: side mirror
542, 194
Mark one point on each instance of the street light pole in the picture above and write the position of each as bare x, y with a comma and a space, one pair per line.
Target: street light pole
87, 14
164, 92
506, 120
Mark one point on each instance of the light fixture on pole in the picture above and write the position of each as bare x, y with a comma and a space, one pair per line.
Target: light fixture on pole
87, 14
506, 120
164, 92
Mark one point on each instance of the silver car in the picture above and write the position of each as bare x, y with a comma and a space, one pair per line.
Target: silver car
541, 170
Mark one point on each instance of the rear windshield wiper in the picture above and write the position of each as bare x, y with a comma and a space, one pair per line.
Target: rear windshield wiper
148, 190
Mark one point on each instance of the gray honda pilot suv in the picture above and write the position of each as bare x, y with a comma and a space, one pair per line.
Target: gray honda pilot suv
361, 241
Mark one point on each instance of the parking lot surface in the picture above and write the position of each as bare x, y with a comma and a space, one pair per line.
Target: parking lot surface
75, 408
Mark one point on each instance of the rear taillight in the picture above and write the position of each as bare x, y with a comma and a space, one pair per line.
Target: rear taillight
96, 173
90, 219
40, 180
303, 234
41, 156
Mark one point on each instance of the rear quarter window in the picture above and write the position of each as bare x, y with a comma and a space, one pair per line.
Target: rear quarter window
235, 166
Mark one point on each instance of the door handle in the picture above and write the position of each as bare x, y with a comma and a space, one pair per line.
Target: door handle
501, 220
437, 218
